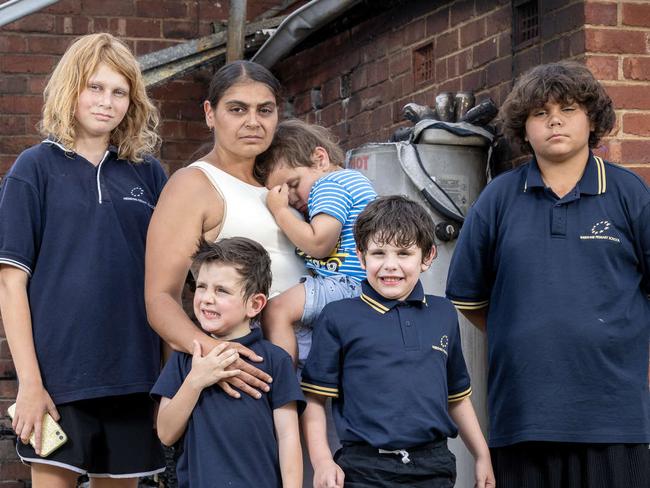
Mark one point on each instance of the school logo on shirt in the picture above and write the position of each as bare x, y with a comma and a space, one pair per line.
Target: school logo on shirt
444, 343
135, 196
601, 230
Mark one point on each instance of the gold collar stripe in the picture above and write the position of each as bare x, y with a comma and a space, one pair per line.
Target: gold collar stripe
602, 180
374, 304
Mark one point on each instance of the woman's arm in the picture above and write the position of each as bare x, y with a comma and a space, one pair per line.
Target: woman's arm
32, 400
462, 413
187, 209
285, 419
174, 231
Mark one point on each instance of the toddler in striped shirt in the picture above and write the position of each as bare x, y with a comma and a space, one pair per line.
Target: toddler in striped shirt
303, 169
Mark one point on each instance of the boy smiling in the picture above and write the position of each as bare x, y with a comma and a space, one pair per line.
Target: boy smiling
391, 359
218, 432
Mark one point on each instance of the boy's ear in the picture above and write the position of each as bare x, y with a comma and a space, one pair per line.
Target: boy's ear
209, 114
255, 304
428, 259
320, 158
361, 259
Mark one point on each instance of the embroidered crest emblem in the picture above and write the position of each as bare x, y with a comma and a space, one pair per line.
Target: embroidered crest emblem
444, 343
601, 230
137, 195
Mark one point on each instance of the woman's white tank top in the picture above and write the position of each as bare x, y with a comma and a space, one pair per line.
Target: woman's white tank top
245, 215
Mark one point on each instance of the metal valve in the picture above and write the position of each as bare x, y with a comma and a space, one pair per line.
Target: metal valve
447, 231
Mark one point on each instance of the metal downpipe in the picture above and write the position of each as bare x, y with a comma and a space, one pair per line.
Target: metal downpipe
298, 26
16, 9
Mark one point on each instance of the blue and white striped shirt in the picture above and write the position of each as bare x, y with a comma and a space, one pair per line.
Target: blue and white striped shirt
343, 195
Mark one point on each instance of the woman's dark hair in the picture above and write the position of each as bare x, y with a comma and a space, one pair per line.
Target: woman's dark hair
565, 82
238, 71
396, 220
248, 257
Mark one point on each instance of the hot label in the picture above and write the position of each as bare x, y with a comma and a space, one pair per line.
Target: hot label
359, 162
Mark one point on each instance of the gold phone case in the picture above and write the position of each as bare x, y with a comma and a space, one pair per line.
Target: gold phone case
52, 437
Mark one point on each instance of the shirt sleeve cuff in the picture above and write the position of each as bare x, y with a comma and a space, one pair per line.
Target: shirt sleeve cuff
456, 397
17, 263
319, 390
470, 304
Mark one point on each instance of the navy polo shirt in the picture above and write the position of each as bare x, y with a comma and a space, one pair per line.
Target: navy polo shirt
391, 367
567, 282
79, 231
231, 442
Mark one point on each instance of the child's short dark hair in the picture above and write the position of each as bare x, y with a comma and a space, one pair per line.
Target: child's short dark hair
395, 219
565, 82
248, 257
294, 142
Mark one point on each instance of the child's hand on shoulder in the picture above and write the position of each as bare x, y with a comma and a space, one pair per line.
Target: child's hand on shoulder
484, 472
211, 368
278, 198
328, 474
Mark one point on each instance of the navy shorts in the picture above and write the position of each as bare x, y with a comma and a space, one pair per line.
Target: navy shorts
432, 465
571, 465
109, 437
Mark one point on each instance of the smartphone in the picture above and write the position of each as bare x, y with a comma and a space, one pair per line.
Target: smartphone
52, 437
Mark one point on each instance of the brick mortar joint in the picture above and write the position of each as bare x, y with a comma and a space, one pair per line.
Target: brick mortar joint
625, 136
616, 28
481, 41
632, 111
559, 35
473, 19
625, 82
463, 23
456, 53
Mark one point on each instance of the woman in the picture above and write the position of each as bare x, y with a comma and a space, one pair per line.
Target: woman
74, 212
214, 198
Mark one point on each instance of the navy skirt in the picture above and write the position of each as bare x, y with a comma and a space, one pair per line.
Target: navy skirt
571, 465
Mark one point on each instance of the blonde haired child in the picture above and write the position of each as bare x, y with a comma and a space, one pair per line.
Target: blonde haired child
74, 212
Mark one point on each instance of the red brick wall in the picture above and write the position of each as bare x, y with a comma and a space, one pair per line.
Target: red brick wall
561, 35
31, 46
10, 467
617, 43
472, 51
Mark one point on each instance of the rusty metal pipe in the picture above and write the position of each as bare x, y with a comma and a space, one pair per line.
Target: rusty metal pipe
236, 28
